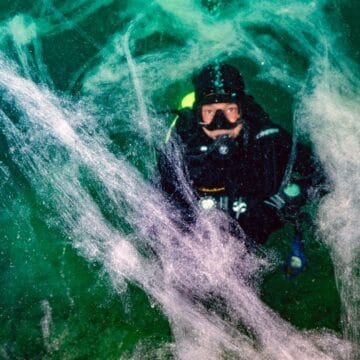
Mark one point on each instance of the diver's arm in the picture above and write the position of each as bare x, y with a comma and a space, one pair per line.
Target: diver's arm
292, 169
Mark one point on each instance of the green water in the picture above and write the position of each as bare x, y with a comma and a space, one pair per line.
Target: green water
113, 65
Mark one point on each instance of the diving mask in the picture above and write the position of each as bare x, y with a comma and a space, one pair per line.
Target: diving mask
221, 121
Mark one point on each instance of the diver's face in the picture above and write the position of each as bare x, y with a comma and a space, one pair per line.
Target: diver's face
232, 114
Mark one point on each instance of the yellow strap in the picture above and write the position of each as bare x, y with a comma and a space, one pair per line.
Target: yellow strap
168, 134
212, 190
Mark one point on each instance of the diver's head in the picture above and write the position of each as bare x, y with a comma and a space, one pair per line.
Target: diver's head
219, 90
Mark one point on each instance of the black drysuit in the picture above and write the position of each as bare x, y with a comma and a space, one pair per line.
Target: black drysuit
261, 183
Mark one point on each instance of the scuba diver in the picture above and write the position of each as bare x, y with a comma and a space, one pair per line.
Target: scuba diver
234, 158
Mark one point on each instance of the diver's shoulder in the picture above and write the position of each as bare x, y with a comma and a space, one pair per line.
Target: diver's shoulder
186, 121
185, 127
186, 117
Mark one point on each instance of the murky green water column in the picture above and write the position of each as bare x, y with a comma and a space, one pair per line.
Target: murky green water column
110, 67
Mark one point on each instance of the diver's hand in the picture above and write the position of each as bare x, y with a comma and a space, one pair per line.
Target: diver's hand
276, 201
287, 195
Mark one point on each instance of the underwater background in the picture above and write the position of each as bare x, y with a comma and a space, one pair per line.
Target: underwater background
86, 93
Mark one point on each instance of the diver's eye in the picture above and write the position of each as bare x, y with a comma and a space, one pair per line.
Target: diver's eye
231, 110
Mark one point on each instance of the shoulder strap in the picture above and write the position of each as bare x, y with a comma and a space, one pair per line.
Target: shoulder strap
267, 132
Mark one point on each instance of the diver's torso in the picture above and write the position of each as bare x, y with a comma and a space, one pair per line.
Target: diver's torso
248, 169
237, 181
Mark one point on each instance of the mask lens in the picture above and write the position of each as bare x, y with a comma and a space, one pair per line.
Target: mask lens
219, 114
223, 114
